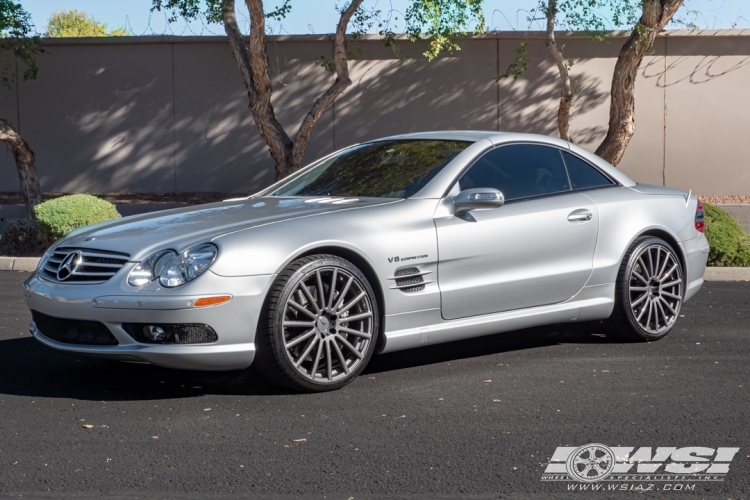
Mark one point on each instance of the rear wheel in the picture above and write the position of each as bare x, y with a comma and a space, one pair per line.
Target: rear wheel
648, 292
321, 325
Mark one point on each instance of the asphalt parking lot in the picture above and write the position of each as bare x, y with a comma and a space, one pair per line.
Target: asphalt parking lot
471, 418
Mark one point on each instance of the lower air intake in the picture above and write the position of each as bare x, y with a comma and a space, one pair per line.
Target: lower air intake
73, 331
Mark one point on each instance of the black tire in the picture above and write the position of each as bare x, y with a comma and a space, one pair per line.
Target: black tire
341, 356
631, 319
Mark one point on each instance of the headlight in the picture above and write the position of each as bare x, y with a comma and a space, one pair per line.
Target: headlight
188, 265
150, 268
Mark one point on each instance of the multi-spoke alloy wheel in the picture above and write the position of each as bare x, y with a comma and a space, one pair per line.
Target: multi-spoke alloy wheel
649, 291
322, 325
655, 288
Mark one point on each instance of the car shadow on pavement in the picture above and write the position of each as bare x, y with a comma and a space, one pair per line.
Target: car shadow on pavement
31, 369
529, 338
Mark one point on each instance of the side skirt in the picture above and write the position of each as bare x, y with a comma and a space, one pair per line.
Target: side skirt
427, 327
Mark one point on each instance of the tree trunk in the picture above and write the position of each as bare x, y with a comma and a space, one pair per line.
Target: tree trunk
566, 90
253, 63
26, 165
656, 14
252, 59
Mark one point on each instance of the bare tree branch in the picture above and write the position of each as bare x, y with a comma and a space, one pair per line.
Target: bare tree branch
329, 96
566, 91
26, 165
656, 14
253, 64
443, 18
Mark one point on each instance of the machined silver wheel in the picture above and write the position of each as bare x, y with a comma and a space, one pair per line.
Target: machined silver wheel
327, 324
320, 325
648, 291
655, 288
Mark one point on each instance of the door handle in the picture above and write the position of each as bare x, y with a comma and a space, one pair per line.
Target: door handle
580, 216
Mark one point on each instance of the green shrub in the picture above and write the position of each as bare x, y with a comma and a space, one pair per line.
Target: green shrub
60, 216
730, 244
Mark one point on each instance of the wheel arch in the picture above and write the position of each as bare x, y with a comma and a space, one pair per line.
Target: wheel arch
363, 265
669, 238
622, 323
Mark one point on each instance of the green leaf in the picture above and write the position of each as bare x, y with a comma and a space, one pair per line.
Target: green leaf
76, 23
17, 35
730, 244
519, 65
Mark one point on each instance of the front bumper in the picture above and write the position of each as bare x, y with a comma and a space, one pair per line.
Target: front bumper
234, 321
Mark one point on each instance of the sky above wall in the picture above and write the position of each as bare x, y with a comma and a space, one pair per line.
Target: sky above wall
320, 16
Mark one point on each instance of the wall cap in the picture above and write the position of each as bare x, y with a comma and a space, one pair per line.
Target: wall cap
490, 35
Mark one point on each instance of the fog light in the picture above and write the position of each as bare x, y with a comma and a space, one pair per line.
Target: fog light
154, 333
165, 334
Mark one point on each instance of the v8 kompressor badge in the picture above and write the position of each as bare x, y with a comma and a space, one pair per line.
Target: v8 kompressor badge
402, 259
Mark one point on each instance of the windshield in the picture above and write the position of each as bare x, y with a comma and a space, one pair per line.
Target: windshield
387, 169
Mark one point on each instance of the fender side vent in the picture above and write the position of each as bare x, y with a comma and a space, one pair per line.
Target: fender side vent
406, 270
409, 279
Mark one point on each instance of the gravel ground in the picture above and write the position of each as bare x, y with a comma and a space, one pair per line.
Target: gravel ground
725, 200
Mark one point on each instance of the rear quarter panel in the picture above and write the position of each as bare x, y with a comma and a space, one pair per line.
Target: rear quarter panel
626, 214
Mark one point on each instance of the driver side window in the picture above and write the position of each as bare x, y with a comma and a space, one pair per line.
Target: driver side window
519, 171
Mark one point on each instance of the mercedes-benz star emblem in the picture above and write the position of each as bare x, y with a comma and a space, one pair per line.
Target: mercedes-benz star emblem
69, 265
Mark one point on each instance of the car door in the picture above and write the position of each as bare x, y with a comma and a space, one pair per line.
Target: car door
536, 249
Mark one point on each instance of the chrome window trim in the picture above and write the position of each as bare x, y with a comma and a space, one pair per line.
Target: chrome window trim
584, 160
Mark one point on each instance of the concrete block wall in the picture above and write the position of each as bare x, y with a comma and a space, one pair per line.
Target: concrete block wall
170, 114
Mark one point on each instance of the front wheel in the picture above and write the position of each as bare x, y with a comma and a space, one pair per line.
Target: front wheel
648, 292
321, 325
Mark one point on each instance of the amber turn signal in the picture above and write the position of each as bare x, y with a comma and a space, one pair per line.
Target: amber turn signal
211, 301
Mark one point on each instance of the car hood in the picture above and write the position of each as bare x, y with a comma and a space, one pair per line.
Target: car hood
140, 235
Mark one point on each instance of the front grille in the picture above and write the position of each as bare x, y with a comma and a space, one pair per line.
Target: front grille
184, 333
73, 331
85, 267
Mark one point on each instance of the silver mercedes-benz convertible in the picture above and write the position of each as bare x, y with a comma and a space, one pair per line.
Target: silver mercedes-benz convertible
391, 244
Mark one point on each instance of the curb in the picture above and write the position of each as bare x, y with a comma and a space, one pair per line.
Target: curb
727, 274
29, 264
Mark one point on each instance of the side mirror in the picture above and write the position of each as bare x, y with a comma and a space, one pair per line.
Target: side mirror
478, 199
